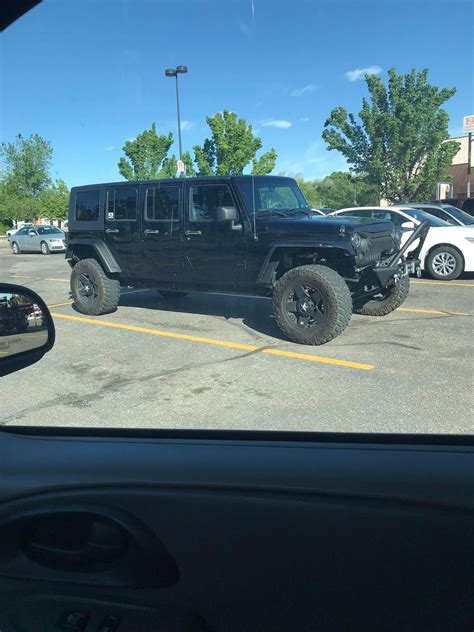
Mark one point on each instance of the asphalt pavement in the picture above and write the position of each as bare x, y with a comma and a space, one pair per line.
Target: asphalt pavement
219, 361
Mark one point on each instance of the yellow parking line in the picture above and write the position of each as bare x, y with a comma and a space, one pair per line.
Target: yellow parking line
445, 283
431, 311
58, 280
60, 304
220, 343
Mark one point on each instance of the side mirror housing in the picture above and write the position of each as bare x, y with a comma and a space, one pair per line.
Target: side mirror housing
408, 225
227, 214
26, 328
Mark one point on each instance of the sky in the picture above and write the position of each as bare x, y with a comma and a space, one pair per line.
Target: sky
89, 74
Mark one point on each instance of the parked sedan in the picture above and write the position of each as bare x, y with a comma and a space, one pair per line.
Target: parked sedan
448, 250
44, 239
451, 214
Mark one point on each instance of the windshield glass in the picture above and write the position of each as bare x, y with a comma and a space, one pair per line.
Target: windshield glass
421, 216
47, 230
459, 214
266, 194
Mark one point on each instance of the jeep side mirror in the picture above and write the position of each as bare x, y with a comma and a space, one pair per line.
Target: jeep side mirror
226, 214
408, 225
26, 328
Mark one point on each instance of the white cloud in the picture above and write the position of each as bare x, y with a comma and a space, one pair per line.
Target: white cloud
299, 92
304, 119
109, 148
280, 123
249, 29
359, 73
186, 126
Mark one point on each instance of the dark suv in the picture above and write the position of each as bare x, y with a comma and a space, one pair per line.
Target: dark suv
245, 234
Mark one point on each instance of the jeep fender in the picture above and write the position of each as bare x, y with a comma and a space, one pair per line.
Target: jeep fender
101, 250
272, 260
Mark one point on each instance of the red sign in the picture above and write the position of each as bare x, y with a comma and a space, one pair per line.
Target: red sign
469, 123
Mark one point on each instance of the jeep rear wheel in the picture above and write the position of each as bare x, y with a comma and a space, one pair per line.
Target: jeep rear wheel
94, 293
388, 300
312, 304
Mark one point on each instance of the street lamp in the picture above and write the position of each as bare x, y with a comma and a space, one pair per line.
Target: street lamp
174, 72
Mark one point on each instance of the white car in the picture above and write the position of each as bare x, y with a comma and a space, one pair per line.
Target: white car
448, 250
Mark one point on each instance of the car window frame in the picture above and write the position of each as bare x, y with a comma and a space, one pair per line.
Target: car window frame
209, 184
106, 202
145, 205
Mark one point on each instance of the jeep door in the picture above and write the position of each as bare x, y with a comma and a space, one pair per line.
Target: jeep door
162, 231
122, 226
215, 250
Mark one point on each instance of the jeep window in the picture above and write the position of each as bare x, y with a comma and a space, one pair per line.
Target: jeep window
122, 204
87, 205
280, 193
205, 199
162, 204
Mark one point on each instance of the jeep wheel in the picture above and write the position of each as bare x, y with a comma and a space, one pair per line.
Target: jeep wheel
16, 248
172, 294
44, 248
388, 301
444, 263
94, 293
312, 304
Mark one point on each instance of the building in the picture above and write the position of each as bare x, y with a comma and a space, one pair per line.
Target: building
458, 169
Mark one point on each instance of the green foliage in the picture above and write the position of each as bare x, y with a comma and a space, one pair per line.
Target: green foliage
231, 148
4, 226
27, 162
147, 156
14, 204
399, 142
169, 166
338, 190
54, 201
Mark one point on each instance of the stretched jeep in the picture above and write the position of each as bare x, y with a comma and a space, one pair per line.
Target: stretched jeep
240, 234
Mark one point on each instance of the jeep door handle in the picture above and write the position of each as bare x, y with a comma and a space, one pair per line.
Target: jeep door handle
148, 231
111, 230
193, 232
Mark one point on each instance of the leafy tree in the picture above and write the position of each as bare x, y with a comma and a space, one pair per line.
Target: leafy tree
26, 165
146, 156
231, 148
399, 142
169, 166
54, 201
341, 189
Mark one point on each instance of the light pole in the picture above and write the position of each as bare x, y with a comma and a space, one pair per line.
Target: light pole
174, 72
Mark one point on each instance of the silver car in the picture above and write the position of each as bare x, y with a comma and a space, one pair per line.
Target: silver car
44, 239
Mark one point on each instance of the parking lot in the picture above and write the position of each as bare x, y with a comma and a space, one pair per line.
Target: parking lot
219, 361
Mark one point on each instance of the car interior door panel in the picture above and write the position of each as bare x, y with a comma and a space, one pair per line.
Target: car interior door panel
326, 536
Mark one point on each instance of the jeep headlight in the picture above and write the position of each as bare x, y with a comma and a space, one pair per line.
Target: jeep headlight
356, 240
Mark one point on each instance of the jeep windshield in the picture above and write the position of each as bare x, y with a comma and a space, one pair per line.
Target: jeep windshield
271, 195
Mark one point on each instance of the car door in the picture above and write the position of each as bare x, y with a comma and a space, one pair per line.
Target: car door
32, 240
215, 250
162, 231
122, 226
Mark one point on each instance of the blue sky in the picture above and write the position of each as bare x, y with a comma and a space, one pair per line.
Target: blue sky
88, 74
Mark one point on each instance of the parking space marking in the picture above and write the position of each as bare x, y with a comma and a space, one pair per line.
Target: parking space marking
444, 283
57, 280
415, 310
220, 343
60, 305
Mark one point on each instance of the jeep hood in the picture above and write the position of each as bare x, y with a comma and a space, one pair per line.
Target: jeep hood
305, 226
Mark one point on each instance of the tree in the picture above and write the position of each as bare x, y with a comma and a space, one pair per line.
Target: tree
399, 142
25, 174
54, 201
169, 166
341, 189
231, 148
147, 156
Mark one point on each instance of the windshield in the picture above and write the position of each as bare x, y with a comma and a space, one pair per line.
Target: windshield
267, 194
421, 216
48, 230
459, 214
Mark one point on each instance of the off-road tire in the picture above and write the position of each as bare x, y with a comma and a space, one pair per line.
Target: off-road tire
44, 248
15, 248
392, 299
106, 293
335, 305
452, 256
172, 294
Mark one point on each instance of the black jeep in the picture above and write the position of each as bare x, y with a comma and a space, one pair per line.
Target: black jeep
244, 234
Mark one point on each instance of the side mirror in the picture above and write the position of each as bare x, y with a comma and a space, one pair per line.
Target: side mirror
227, 214
31, 232
408, 225
26, 328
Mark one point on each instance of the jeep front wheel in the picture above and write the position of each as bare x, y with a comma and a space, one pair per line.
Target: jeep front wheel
312, 304
387, 301
94, 293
